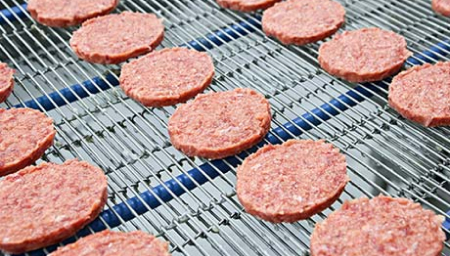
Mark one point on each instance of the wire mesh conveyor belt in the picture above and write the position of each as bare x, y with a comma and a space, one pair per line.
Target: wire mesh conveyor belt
191, 202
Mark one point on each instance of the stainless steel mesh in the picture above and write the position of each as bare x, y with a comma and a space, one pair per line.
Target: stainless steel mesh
96, 122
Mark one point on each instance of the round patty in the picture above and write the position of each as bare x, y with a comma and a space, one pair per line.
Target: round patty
167, 77
6, 81
25, 134
64, 13
105, 243
45, 204
303, 21
246, 5
221, 124
422, 94
441, 6
368, 54
380, 226
292, 181
115, 38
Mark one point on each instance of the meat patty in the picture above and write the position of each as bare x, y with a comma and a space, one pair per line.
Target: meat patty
292, 181
221, 124
246, 5
65, 13
167, 77
303, 21
368, 54
6, 81
105, 243
441, 6
115, 38
422, 94
25, 134
380, 226
45, 204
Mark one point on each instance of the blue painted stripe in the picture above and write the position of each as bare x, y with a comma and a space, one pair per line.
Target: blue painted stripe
432, 53
68, 95
9, 14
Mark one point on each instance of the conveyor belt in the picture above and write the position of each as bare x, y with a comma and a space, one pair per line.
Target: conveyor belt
191, 202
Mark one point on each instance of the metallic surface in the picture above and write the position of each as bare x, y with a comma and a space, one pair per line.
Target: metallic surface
96, 122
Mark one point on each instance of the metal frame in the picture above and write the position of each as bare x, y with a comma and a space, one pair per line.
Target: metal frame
191, 202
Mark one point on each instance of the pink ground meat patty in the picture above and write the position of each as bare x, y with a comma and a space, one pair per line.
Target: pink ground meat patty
45, 204
221, 124
380, 226
441, 6
106, 243
246, 5
115, 38
422, 94
25, 134
303, 21
167, 77
6, 81
65, 13
292, 181
368, 54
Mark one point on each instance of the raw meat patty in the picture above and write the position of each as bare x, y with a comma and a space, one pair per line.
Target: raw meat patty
115, 38
105, 243
422, 94
292, 181
246, 5
303, 21
441, 6
25, 134
45, 204
167, 77
6, 81
65, 13
380, 226
368, 54
217, 125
